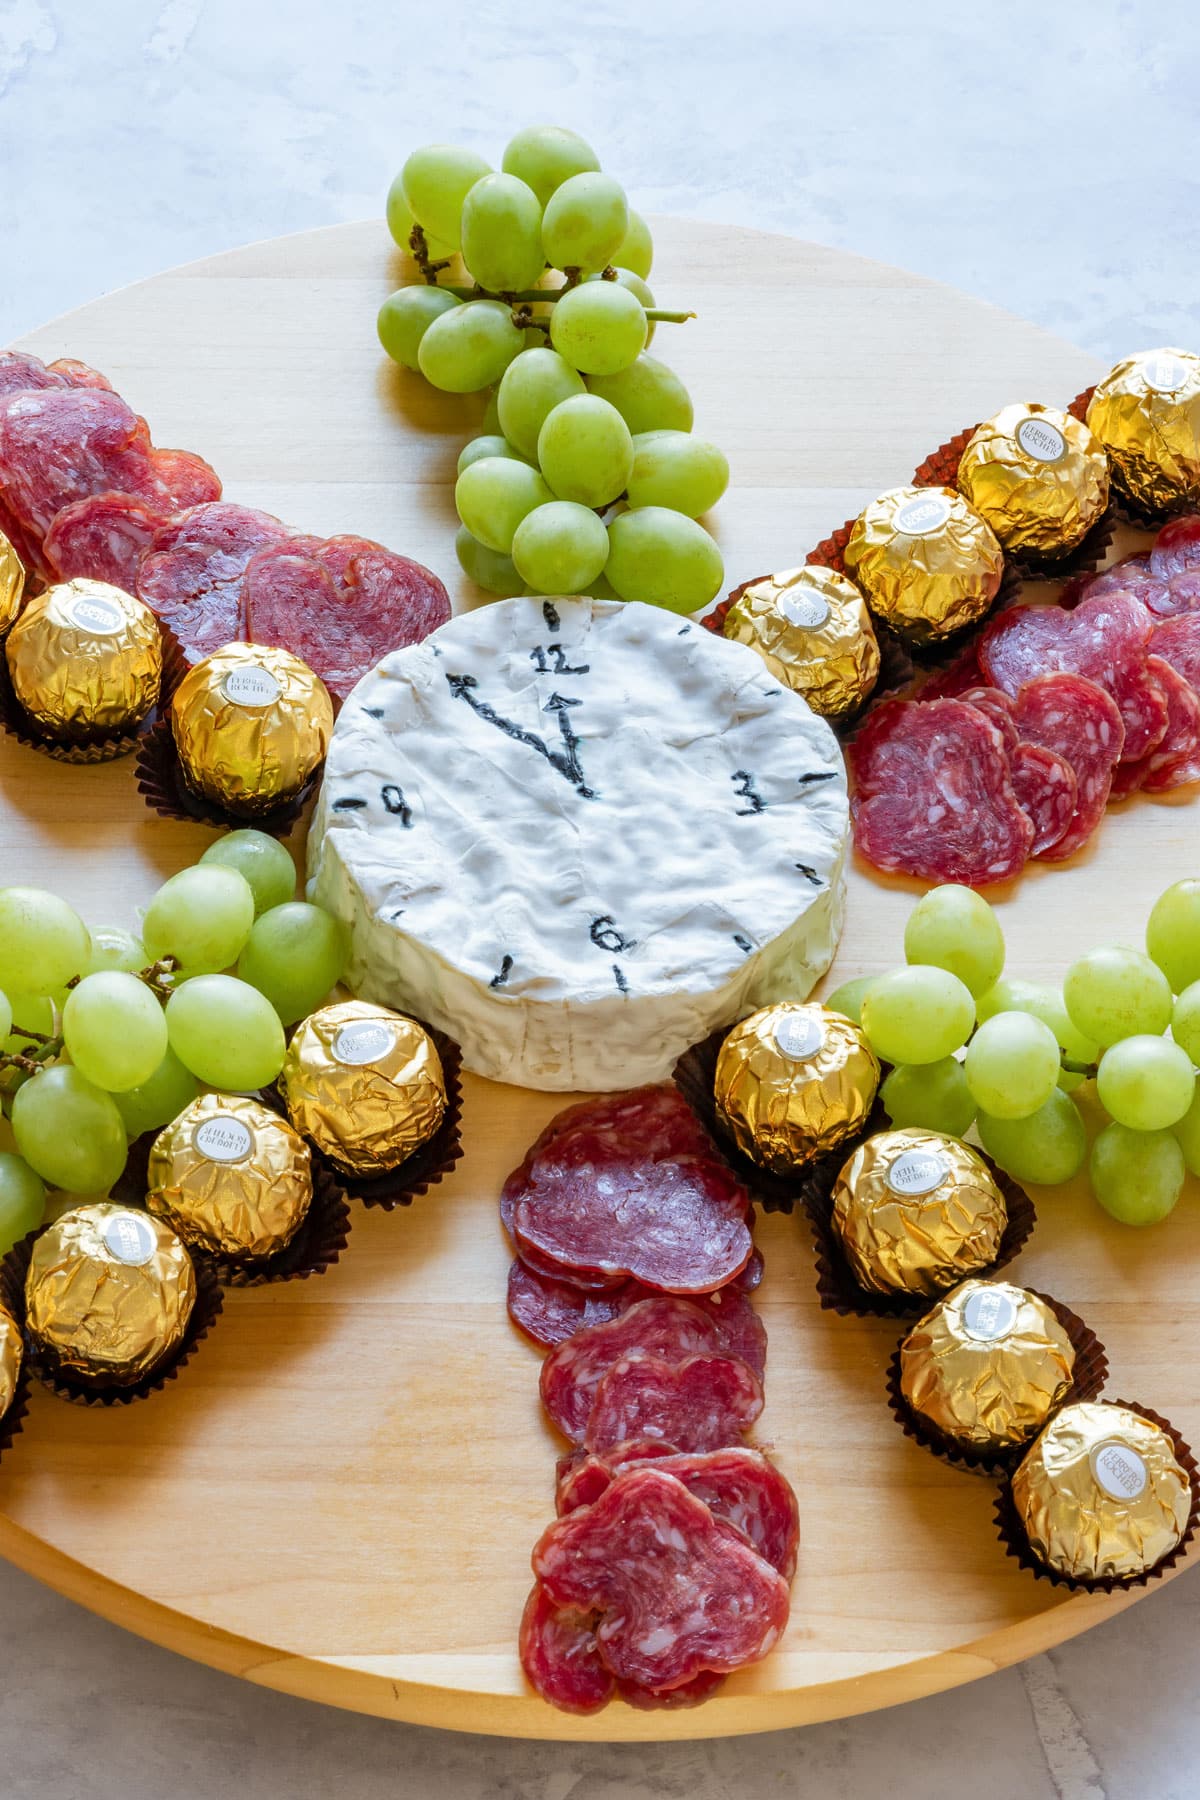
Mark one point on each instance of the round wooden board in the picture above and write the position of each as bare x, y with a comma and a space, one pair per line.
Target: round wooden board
339, 1495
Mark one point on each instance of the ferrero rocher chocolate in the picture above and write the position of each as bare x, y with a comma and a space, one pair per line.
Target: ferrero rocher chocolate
812, 629
365, 1085
85, 658
792, 1082
12, 583
1146, 415
109, 1294
987, 1365
1102, 1493
916, 1211
11, 1356
251, 723
1038, 477
232, 1177
926, 562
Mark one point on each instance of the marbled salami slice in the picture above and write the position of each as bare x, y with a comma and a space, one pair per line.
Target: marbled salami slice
20, 370
103, 536
1183, 594
1177, 641
1176, 761
580, 1478
560, 1656
1079, 721
548, 1308
1046, 791
677, 1592
1133, 575
191, 572
998, 708
703, 1403
664, 1327
701, 1687
1176, 548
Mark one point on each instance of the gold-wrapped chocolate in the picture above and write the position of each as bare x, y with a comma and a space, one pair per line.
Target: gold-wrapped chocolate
231, 1177
85, 658
987, 1365
12, 583
926, 562
1037, 476
109, 1293
12, 1354
915, 1211
1146, 415
812, 629
1102, 1493
792, 1082
365, 1085
251, 723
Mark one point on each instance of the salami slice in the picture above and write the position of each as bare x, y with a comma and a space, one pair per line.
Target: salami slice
1183, 593
1177, 641
1176, 548
934, 797
664, 1327
581, 1478
1046, 791
560, 1655
103, 537
191, 572
1079, 721
548, 1309
702, 1403
1176, 762
998, 708
701, 1687
74, 373
19, 370
341, 604
1131, 576
677, 1592
953, 681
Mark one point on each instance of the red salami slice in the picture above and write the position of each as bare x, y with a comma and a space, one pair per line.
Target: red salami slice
103, 537
703, 1403
341, 604
581, 1478
953, 681
186, 479
191, 573
1078, 721
700, 1687
998, 708
1176, 762
934, 797
560, 1656
1046, 791
1177, 547
665, 1327
1183, 592
1177, 641
20, 371
74, 373
677, 1592
1131, 576
549, 1309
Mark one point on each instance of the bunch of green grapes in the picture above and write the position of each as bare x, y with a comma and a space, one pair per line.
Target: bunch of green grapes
972, 1047
586, 476
108, 1033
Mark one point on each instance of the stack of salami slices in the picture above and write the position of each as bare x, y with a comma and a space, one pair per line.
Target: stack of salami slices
670, 1561
1016, 749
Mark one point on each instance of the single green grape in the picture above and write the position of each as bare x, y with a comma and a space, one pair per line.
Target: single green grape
917, 1015
585, 222
1185, 1021
933, 1096
530, 388
1187, 1133
1116, 992
1173, 933
636, 249
225, 1032
502, 234
1012, 1065
848, 998
547, 155
406, 316
560, 548
294, 955
1045, 1147
663, 558
43, 942
954, 928
435, 181
69, 1131
35, 1012
400, 223
640, 291
489, 569
115, 948
494, 495
675, 469
114, 1029
1146, 1083
648, 396
478, 449
469, 347
261, 860
22, 1200
158, 1099
202, 916
1137, 1176
1011, 994
599, 327
585, 451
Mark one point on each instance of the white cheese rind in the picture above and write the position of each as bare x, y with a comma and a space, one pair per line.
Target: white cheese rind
578, 836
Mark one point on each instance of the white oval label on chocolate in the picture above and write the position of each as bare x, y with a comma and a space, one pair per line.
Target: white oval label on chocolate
1119, 1470
251, 686
800, 606
798, 1036
1041, 440
224, 1139
129, 1237
924, 513
91, 612
989, 1313
363, 1041
1164, 374
917, 1172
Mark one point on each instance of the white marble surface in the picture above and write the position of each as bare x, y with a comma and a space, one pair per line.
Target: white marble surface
1041, 155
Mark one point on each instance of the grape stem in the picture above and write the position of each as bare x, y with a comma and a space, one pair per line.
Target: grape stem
540, 297
420, 249
1079, 1068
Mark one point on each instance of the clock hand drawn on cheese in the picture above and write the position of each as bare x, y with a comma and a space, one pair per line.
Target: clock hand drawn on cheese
566, 762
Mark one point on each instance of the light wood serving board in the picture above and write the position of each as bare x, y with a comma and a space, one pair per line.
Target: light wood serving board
339, 1495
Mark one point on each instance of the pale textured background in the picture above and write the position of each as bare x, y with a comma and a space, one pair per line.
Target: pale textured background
1041, 155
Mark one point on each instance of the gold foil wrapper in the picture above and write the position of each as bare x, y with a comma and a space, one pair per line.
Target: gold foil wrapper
231, 1177
12, 1354
916, 1211
1101, 1493
812, 629
1146, 415
1037, 476
792, 1082
365, 1085
109, 1292
926, 562
85, 657
251, 723
987, 1365
12, 584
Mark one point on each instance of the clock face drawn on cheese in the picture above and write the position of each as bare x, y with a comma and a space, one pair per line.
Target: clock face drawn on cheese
579, 835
